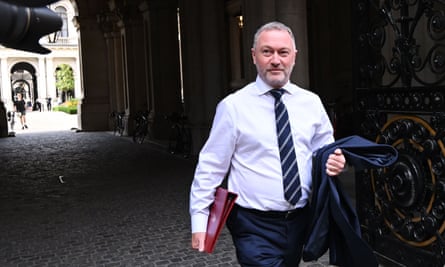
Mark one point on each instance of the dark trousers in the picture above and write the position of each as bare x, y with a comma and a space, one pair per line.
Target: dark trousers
268, 239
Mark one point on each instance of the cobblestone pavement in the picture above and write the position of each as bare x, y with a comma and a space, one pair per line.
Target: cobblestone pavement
94, 199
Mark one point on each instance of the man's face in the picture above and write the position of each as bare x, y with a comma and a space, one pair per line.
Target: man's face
274, 57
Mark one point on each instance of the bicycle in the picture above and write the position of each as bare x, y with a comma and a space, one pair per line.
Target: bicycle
118, 122
180, 137
141, 129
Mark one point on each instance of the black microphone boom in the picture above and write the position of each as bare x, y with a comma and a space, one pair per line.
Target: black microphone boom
21, 27
33, 3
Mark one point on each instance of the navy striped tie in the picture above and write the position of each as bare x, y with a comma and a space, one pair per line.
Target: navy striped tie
291, 177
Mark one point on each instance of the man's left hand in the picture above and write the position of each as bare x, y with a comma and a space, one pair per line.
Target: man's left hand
336, 163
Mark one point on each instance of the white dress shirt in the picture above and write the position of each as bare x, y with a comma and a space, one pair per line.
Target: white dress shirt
243, 143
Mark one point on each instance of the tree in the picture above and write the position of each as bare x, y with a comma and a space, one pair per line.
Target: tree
65, 80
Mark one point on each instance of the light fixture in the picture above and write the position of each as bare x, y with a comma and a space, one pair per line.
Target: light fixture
240, 21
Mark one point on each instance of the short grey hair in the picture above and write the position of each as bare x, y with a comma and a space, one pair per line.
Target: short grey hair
274, 25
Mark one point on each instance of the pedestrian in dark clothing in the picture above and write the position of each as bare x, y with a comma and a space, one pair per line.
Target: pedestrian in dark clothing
48, 103
20, 106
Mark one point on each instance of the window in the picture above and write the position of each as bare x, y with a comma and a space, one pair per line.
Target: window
61, 11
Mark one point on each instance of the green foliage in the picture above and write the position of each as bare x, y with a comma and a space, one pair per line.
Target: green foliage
64, 78
71, 103
65, 109
69, 107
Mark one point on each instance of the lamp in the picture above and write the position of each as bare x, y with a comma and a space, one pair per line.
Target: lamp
240, 21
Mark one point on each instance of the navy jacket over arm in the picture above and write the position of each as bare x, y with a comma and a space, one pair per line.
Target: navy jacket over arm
334, 222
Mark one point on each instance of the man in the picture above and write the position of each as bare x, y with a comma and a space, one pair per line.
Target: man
48, 103
20, 106
267, 229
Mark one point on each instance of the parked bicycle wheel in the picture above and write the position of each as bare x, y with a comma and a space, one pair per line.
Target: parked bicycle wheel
186, 141
141, 127
180, 139
174, 144
118, 122
139, 136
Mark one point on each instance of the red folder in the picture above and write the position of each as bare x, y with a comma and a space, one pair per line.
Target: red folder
219, 211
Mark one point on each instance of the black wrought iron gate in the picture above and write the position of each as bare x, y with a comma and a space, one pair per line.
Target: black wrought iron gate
400, 96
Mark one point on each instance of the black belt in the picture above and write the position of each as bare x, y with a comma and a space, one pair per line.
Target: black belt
287, 214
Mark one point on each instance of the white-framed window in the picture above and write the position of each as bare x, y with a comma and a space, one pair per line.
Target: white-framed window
61, 11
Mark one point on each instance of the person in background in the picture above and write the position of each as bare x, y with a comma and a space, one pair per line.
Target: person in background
48, 103
38, 106
267, 228
20, 106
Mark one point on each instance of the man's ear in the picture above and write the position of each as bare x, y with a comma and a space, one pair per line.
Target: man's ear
296, 55
252, 52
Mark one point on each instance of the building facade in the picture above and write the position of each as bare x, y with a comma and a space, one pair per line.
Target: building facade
34, 75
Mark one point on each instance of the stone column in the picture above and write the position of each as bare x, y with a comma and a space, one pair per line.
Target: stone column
41, 81
205, 61
77, 78
131, 50
111, 32
6, 94
150, 102
162, 62
51, 79
5, 97
94, 105
132, 32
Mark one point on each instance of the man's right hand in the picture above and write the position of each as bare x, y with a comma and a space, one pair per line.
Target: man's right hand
198, 240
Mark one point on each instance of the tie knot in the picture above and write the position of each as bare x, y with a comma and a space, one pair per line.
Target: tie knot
277, 93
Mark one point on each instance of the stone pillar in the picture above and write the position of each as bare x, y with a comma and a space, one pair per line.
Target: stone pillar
41, 82
125, 42
204, 63
135, 72
115, 70
3, 120
148, 55
162, 62
77, 78
332, 52
94, 105
51, 79
111, 32
6, 95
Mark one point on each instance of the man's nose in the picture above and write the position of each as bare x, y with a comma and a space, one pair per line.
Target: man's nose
275, 58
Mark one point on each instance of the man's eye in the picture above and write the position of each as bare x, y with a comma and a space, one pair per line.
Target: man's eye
284, 53
266, 52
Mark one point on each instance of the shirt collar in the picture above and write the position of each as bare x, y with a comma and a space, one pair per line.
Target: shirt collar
264, 88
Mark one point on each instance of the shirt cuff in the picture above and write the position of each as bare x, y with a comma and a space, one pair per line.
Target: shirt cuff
199, 223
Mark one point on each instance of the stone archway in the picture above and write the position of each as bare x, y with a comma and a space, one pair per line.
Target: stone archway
23, 80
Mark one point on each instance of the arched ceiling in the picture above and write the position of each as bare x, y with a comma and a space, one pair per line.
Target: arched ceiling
90, 8
23, 66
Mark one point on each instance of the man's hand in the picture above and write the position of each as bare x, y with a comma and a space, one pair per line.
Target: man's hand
336, 163
198, 240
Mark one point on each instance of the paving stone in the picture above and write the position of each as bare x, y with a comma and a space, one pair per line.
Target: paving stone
94, 199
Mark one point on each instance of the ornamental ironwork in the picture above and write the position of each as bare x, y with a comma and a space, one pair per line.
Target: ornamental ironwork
400, 100
401, 43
